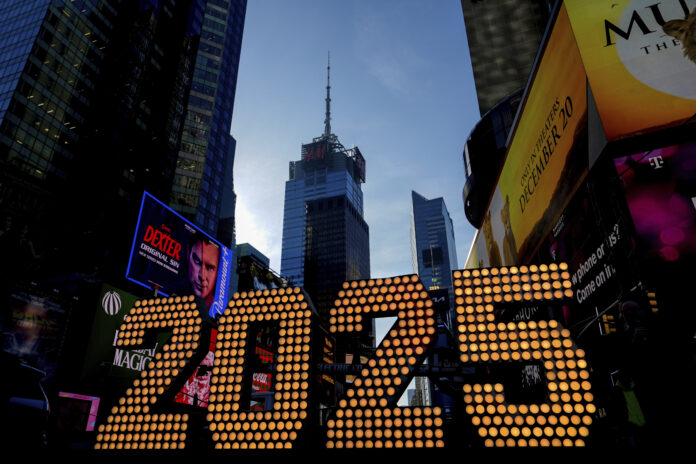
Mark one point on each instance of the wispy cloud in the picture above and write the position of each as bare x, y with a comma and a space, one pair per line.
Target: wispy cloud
380, 47
250, 228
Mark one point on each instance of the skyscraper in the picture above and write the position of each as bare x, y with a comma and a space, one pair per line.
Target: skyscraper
325, 238
100, 100
199, 178
434, 256
433, 251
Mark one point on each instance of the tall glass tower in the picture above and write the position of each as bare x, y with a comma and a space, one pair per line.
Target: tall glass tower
102, 99
433, 249
325, 238
206, 143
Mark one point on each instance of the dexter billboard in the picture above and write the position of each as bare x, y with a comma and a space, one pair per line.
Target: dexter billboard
640, 59
172, 255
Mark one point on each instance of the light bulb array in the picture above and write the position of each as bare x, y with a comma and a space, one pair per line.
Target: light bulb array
138, 421
369, 417
234, 428
565, 418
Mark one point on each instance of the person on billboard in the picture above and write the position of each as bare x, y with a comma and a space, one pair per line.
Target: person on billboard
203, 258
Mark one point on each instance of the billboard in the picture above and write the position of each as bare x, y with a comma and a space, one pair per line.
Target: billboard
359, 161
316, 151
640, 59
76, 412
33, 329
660, 187
594, 238
173, 256
546, 159
196, 390
112, 306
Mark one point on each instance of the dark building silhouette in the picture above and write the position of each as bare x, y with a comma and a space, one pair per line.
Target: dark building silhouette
336, 241
254, 272
101, 100
503, 36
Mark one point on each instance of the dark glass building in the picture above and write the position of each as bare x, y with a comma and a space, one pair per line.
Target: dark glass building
325, 238
503, 36
434, 252
199, 178
336, 241
101, 100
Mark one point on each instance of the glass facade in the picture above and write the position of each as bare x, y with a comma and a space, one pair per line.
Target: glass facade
100, 100
336, 238
325, 238
433, 250
311, 182
199, 180
19, 25
51, 53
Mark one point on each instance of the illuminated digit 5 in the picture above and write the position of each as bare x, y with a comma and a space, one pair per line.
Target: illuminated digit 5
140, 420
233, 427
370, 418
564, 419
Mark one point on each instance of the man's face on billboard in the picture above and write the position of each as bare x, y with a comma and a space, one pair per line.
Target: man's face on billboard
203, 266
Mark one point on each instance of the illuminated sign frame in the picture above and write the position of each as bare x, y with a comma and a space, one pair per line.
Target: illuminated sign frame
224, 272
368, 416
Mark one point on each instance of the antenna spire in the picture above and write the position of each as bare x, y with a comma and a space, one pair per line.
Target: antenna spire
327, 121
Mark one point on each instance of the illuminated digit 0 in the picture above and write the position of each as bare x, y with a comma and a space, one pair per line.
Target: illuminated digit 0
564, 419
143, 413
369, 416
234, 427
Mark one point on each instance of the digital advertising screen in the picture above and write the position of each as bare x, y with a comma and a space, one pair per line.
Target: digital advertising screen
173, 256
546, 160
660, 187
34, 329
316, 151
77, 412
640, 61
124, 364
196, 390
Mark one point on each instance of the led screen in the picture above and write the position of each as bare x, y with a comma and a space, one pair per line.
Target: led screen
173, 256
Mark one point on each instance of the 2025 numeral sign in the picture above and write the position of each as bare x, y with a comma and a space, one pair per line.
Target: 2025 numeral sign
368, 416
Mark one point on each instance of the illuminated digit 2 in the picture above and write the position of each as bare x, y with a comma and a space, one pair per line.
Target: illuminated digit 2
139, 421
369, 417
564, 418
234, 428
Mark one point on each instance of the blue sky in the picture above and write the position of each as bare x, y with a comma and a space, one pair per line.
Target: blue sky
402, 90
